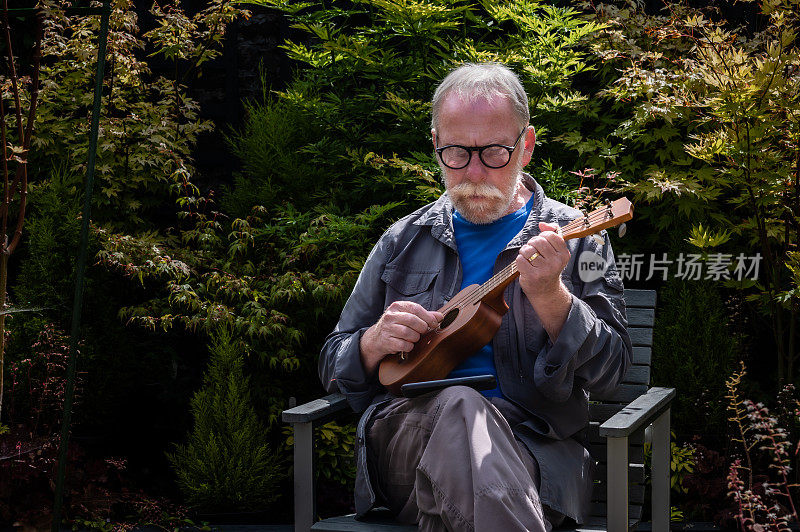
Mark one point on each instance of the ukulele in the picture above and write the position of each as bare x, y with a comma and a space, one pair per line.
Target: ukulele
473, 316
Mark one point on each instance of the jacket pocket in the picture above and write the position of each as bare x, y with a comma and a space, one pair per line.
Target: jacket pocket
405, 285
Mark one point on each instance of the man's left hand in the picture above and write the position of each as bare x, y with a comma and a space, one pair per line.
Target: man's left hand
540, 278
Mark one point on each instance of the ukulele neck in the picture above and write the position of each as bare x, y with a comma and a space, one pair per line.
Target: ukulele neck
492, 290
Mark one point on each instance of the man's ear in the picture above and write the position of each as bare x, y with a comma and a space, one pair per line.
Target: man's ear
530, 142
433, 137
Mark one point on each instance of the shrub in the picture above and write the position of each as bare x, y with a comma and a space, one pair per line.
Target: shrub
226, 464
148, 125
717, 106
689, 354
760, 479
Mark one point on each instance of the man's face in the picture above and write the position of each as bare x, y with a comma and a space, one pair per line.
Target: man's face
482, 194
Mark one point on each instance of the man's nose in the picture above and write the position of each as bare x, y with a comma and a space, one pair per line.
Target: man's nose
475, 170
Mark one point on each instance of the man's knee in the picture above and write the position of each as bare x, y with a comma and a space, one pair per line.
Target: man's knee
463, 399
462, 393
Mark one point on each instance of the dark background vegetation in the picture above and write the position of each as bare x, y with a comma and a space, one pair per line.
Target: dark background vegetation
250, 162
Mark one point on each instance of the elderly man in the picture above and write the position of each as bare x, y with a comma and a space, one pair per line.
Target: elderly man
511, 458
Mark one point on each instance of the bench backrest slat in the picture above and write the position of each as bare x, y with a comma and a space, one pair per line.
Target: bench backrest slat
640, 311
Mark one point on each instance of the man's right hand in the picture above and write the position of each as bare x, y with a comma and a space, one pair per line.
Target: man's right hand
399, 328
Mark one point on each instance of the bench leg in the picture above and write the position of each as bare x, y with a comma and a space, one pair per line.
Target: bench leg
617, 496
304, 494
659, 471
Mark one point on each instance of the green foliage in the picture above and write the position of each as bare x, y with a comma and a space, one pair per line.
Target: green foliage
367, 72
53, 225
272, 149
681, 463
336, 452
193, 40
703, 237
44, 284
690, 353
148, 124
227, 463
708, 122
334, 446
240, 273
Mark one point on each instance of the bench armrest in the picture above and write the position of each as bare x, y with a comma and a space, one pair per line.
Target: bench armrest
316, 410
303, 418
640, 412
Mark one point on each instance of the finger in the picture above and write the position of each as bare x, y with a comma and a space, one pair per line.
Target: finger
409, 307
527, 251
398, 320
556, 240
544, 226
398, 330
430, 318
398, 345
401, 306
541, 274
550, 259
524, 266
433, 319
552, 233
543, 247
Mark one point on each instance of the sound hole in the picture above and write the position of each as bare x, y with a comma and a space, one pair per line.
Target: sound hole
449, 318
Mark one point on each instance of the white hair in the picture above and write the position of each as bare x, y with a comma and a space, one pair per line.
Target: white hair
473, 81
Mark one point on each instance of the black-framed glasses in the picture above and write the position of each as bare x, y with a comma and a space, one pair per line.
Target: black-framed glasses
456, 157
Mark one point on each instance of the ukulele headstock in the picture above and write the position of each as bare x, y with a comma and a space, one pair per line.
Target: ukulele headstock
613, 214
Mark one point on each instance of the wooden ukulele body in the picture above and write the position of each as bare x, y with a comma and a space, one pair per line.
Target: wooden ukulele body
467, 327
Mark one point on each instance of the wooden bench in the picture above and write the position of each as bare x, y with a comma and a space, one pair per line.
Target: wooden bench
618, 424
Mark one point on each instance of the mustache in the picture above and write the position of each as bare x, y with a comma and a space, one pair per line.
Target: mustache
476, 189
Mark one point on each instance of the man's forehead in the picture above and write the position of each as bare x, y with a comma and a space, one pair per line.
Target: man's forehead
477, 119
461, 102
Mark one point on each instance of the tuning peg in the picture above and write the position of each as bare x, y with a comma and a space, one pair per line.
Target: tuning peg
622, 229
599, 240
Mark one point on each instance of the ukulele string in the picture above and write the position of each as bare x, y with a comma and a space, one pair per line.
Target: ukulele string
511, 269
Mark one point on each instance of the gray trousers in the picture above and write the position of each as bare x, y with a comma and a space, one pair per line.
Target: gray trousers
449, 461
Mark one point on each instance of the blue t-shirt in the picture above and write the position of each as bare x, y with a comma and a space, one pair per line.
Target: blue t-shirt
478, 247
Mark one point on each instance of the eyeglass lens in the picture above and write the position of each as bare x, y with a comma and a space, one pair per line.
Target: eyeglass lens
492, 156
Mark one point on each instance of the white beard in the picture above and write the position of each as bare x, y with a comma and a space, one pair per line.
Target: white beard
481, 203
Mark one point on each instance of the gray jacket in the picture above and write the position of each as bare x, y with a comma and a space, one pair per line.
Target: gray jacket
416, 259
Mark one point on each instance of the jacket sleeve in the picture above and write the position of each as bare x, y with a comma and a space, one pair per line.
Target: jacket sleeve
593, 349
340, 367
